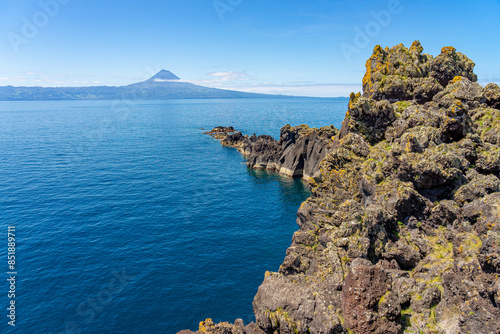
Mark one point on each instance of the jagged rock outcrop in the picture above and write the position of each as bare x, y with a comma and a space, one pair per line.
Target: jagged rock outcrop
208, 326
399, 73
220, 132
298, 152
402, 231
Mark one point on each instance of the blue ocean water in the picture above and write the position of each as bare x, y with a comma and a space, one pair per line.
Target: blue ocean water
130, 220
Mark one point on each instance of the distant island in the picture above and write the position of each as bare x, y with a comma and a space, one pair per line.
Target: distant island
163, 85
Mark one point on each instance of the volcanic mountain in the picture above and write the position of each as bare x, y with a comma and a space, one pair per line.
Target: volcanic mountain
164, 75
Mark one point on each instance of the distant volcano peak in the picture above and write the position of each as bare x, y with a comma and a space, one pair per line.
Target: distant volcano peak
164, 75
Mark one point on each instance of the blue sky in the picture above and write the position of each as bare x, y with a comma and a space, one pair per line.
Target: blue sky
297, 47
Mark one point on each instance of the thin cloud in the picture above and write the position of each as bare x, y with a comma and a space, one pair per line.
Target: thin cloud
48, 81
311, 90
241, 81
221, 76
19, 78
229, 76
484, 82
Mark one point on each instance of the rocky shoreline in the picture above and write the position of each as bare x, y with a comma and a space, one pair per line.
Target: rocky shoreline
297, 153
402, 231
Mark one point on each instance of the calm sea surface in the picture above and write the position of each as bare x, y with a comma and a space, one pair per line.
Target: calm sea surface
128, 219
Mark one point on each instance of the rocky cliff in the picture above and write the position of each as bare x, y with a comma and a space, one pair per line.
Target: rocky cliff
298, 152
402, 231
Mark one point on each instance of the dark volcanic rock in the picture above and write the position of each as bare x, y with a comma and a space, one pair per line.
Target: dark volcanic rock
298, 152
402, 231
209, 327
492, 95
368, 304
487, 121
368, 117
399, 73
410, 183
286, 305
220, 132
450, 64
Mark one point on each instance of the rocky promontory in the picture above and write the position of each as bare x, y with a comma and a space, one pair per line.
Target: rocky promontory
402, 231
297, 153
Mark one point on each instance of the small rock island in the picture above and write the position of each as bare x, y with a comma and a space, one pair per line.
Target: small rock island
402, 231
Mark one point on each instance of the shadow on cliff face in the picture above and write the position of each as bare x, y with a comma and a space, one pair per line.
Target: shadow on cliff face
401, 232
